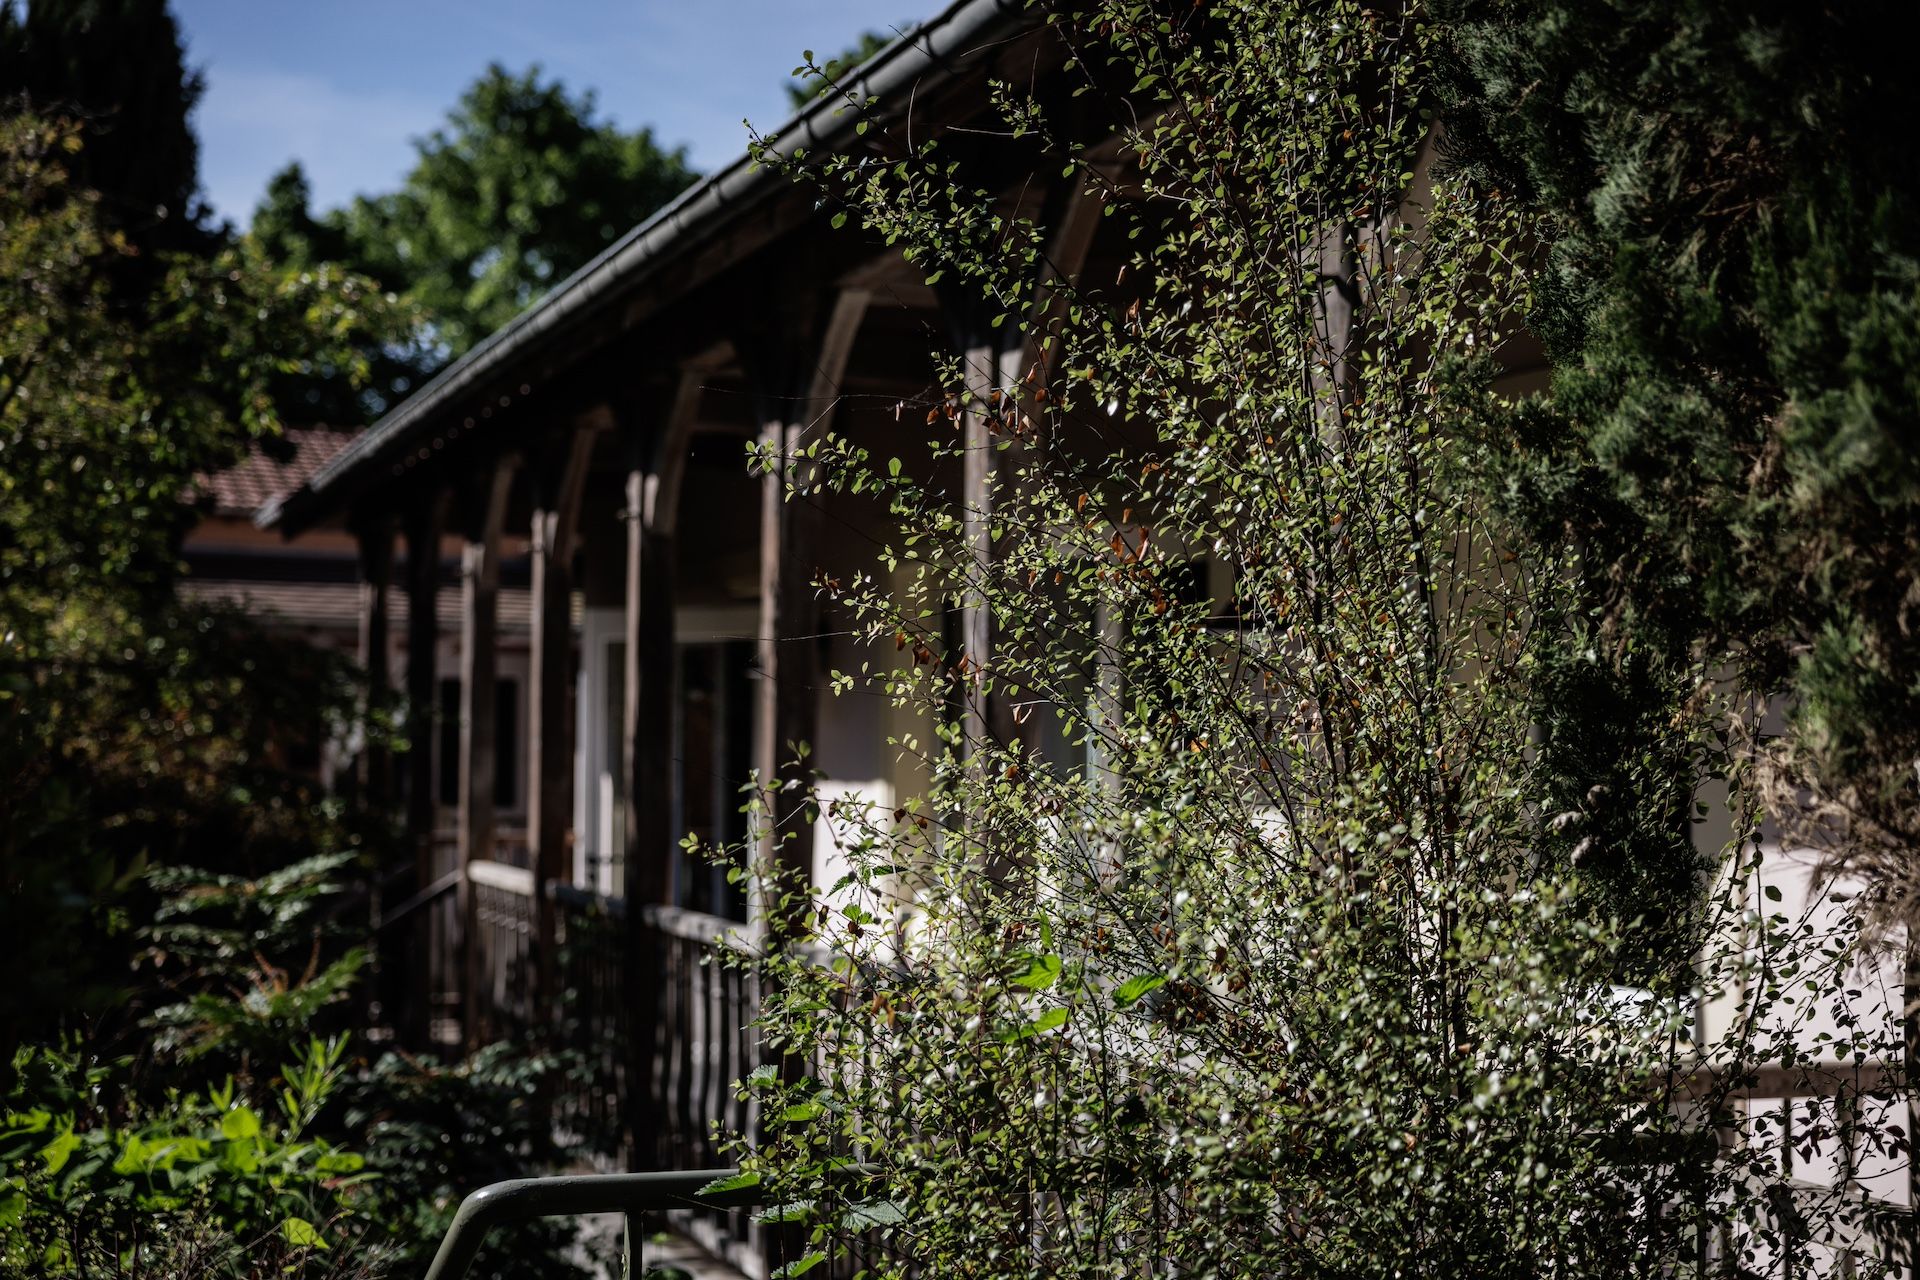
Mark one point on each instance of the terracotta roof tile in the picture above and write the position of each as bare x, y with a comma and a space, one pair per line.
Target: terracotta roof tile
260, 477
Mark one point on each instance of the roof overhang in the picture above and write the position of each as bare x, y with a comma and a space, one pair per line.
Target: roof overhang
926, 56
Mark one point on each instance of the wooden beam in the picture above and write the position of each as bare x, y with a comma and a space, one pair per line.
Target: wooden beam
787, 693
559, 482
479, 635
376, 537
1068, 245
661, 497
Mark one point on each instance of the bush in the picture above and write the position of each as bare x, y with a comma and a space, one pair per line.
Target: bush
98, 1179
1250, 933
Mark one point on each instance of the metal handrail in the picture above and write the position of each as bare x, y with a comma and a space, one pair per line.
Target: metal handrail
523, 1199
440, 888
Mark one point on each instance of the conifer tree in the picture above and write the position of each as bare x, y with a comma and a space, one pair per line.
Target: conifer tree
1732, 307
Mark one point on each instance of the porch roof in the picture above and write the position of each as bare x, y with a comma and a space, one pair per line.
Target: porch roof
925, 56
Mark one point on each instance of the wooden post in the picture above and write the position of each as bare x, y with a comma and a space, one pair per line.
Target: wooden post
375, 535
425, 520
979, 436
1334, 325
1068, 244
652, 496
653, 486
992, 363
479, 633
559, 482
797, 391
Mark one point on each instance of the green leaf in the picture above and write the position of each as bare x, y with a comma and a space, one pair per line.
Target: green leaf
799, 1266
338, 1162
302, 1234
1045, 1022
1042, 972
800, 1113
791, 1211
735, 1182
872, 1213
1137, 986
60, 1150
239, 1123
893, 466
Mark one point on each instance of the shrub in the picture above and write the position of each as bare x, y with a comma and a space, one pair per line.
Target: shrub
1255, 936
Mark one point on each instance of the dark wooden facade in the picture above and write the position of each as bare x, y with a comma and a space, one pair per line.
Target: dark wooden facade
595, 449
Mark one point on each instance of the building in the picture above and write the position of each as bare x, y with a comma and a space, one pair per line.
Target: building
311, 588
675, 642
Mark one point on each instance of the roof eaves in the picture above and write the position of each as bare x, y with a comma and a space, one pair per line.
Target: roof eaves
702, 209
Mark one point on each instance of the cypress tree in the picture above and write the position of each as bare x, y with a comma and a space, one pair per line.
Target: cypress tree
1730, 295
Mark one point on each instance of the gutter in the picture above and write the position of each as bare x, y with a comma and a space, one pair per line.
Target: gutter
699, 213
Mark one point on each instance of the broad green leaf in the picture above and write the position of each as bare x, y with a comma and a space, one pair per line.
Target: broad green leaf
1042, 972
737, 1182
1045, 1022
800, 1113
1137, 986
239, 1123
60, 1150
799, 1266
872, 1213
302, 1234
791, 1211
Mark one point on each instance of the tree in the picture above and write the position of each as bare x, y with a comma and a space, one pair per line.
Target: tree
285, 230
137, 728
119, 68
1732, 304
520, 188
1241, 945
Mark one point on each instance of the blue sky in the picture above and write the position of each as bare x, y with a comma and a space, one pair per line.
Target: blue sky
345, 85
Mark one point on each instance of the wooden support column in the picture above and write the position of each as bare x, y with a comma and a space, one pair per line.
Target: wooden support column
658, 444
980, 467
798, 386
1334, 324
559, 481
375, 766
652, 504
485, 512
994, 362
425, 521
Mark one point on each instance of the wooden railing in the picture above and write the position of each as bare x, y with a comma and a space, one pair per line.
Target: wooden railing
417, 953
592, 1019
697, 1041
660, 1027
502, 979
655, 1027
1835, 1134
